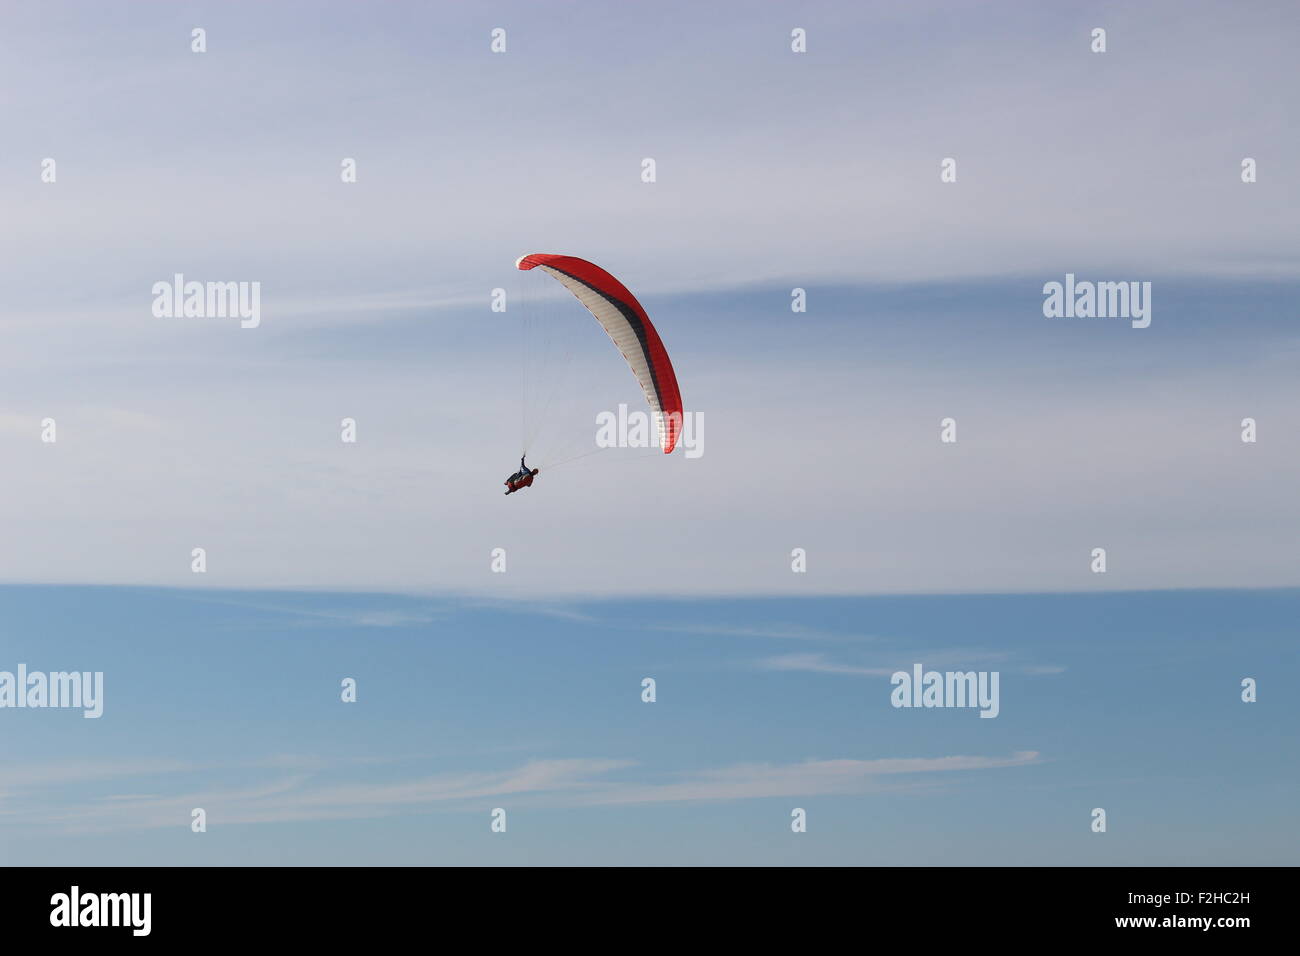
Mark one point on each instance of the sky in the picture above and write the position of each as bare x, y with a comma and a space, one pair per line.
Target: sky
1123, 701
819, 432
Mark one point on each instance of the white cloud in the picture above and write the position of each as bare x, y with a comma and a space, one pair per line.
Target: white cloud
301, 796
810, 778
820, 664
817, 663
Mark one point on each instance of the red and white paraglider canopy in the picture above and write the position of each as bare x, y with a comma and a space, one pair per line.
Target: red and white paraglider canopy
621, 315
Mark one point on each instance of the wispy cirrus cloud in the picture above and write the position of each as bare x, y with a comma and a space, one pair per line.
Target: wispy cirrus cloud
810, 778
557, 610
35, 800
820, 664
340, 617
28, 775
797, 632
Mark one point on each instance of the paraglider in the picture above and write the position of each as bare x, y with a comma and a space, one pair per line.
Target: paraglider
523, 478
629, 327
627, 324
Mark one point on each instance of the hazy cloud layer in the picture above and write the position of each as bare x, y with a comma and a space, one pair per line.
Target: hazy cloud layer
819, 171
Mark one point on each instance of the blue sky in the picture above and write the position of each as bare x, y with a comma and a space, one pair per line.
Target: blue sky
775, 171
229, 702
